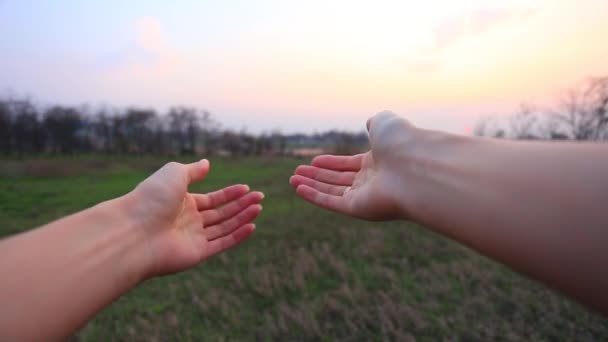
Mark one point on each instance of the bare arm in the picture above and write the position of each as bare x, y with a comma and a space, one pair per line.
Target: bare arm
537, 207
55, 278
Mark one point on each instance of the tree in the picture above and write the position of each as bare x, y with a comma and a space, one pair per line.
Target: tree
582, 114
208, 128
102, 131
522, 123
231, 142
5, 127
184, 127
27, 132
119, 134
61, 124
279, 142
584, 111
139, 129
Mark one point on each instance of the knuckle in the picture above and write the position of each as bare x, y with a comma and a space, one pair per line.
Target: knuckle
172, 166
242, 216
224, 227
223, 212
327, 175
243, 200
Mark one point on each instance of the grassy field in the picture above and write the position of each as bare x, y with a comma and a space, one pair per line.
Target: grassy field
306, 274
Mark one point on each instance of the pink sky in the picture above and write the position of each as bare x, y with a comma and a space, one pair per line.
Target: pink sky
324, 65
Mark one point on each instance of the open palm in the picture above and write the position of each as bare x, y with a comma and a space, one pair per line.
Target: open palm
352, 185
367, 185
184, 228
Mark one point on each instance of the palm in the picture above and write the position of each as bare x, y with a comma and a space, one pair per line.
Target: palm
353, 185
178, 245
185, 228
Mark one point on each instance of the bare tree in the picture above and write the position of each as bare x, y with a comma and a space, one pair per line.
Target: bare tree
184, 127
231, 142
119, 134
482, 127
489, 127
27, 131
61, 124
208, 128
523, 122
584, 110
551, 128
138, 125
102, 129
5, 127
582, 114
279, 142
263, 144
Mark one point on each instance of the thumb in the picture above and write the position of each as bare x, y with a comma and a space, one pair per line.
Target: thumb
197, 171
379, 118
385, 122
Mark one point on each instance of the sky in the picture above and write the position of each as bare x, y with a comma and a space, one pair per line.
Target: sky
304, 66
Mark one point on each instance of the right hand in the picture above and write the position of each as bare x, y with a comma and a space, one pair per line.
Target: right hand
369, 185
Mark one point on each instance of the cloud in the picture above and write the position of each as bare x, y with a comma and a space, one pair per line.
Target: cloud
141, 70
147, 52
475, 22
149, 34
428, 60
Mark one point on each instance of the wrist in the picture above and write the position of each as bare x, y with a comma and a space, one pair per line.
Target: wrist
425, 162
130, 237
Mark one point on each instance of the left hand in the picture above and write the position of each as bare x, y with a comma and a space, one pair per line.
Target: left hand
183, 228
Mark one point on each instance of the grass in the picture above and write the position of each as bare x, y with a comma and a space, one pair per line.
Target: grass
306, 274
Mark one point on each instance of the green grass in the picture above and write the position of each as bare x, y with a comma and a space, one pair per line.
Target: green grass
305, 274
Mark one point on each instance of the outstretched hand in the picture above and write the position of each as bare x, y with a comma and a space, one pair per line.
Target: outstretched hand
184, 228
363, 185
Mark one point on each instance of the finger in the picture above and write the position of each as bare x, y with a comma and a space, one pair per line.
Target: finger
336, 190
327, 176
219, 245
213, 216
331, 202
245, 216
339, 163
197, 171
220, 197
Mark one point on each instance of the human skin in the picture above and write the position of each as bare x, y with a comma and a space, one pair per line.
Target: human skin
57, 277
537, 207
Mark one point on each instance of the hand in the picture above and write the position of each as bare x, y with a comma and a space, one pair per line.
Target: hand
183, 228
366, 186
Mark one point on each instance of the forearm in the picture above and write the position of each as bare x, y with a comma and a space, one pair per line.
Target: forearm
532, 206
73, 267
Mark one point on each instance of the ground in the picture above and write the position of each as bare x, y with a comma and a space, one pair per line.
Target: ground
306, 274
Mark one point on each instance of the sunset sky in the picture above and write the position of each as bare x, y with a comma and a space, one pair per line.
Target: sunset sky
306, 65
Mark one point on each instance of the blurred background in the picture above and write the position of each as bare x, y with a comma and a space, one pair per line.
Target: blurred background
94, 96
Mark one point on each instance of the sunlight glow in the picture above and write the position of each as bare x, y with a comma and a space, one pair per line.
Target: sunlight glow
289, 62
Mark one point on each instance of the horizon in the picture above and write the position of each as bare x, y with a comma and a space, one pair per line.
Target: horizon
309, 67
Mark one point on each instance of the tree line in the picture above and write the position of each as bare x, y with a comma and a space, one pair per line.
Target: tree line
26, 128
581, 114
